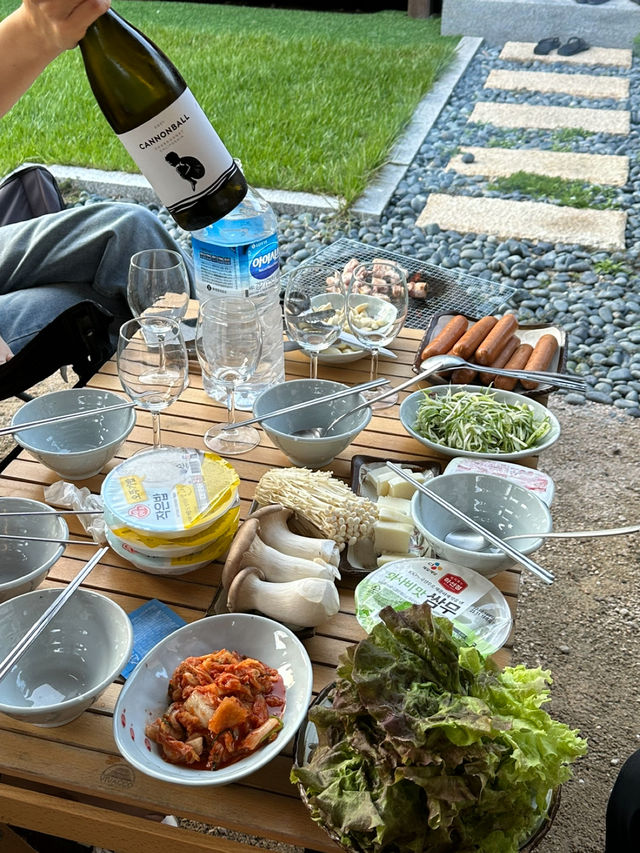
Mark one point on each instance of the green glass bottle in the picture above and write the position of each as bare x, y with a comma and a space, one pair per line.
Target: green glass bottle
149, 106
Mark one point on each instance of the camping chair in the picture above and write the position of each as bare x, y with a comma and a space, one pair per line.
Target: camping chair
79, 337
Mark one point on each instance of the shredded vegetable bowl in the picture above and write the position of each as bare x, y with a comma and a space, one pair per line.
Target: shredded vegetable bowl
473, 421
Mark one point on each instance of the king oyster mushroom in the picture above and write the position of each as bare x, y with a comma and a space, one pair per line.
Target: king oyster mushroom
248, 549
302, 603
275, 532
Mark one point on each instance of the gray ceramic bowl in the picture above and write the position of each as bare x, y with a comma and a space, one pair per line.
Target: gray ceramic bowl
79, 448
498, 504
24, 563
410, 406
310, 452
80, 652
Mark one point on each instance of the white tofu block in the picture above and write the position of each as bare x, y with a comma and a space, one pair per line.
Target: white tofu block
379, 478
399, 488
394, 509
383, 559
391, 537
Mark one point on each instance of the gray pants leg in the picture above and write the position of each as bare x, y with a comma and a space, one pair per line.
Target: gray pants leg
57, 260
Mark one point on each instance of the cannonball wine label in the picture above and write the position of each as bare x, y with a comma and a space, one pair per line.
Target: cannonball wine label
180, 154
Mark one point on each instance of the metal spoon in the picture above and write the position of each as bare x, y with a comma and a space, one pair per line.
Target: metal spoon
322, 432
469, 540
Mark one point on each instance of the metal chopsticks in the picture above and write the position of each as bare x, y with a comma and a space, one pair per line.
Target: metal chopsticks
355, 389
71, 416
544, 574
41, 623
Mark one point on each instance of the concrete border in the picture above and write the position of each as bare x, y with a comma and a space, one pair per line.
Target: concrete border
369, 205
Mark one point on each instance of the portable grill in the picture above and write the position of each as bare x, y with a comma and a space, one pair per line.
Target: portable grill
447, 290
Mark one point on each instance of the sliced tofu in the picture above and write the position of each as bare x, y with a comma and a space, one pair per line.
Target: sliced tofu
383, 559
394, 509
391, 537
379, 478
398, 487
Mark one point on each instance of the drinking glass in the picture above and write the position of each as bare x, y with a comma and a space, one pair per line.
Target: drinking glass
376, 306
152, 364
158, 284
314, 309
229, 345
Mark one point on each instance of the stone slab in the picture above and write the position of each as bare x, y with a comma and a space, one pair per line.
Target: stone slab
516, 51
552, 118
528, 220
612, 24
579, 85
608, 169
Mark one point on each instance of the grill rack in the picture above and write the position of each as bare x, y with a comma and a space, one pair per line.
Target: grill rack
448, 291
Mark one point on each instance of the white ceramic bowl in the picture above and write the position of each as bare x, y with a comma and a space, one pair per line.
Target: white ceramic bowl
24, 563
144, 696
82, 650
81, 447
409, 409
310, 452
499, 505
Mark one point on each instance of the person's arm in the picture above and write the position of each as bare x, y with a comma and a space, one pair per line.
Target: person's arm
34, 35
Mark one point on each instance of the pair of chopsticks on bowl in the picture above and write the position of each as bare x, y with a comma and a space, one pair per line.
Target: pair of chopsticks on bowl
41, 623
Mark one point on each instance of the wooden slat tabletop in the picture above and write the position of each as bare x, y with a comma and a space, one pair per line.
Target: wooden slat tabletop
71, 780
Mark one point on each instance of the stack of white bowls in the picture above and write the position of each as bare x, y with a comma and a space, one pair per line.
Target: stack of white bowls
171, 510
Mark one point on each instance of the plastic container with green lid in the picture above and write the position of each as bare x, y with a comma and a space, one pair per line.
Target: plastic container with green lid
169, 492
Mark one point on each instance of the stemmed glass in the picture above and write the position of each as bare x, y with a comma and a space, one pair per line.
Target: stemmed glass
314, 309
229, 345
152, 364
158, 284
376, 306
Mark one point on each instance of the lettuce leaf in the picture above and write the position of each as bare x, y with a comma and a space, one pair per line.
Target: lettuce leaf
427, 746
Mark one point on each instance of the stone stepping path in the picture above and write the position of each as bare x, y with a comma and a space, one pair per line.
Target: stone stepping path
552, 118
580, 85
598, 229
608, 169
518, 51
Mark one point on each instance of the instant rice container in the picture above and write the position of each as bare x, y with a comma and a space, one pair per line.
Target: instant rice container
169, 492
479, 612
154, 546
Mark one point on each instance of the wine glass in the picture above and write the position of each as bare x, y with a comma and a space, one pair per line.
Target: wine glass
229, 345
376, 306
314, 309
158, 284
152, 364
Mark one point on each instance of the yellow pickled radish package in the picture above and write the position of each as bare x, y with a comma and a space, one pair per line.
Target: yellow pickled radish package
169, 491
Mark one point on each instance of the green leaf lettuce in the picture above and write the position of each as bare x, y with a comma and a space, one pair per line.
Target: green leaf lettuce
429, 747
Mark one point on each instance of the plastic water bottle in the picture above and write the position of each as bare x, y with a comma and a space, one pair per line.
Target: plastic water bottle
240, 252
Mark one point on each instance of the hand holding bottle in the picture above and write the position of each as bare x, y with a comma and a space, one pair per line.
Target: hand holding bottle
60, 24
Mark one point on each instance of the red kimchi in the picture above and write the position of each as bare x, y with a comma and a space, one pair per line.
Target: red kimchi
223, 707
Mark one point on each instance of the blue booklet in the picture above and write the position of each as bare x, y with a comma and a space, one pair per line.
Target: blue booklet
151, 623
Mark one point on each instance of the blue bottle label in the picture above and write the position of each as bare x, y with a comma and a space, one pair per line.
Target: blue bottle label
264, 258
254, 265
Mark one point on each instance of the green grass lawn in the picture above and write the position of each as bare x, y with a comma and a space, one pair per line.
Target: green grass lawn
307, 100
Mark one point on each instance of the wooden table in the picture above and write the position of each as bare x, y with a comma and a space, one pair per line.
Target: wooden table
71, 781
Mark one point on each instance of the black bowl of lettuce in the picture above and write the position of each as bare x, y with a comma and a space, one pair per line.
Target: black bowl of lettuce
422, 746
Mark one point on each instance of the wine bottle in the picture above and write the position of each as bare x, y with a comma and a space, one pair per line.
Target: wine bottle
149, 106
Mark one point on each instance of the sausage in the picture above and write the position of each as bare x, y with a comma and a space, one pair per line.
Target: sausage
446, 338
516, 362
463, 376
540, 359
475, 335
505, 354
490, 347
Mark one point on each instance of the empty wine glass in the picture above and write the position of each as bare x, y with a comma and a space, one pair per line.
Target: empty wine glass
158, 284
314, 309
152, 364
376, 307
229, 345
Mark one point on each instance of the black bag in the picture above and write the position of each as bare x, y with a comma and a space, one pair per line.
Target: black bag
27, 193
